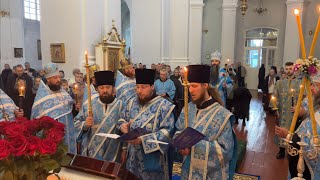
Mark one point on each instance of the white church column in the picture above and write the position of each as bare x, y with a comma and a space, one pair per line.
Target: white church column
292, 44
195, 34
145, 31
12, 32
229, 8
179, 33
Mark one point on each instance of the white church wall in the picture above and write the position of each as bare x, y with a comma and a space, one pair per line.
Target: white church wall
146, 31
310, 18
274, 18
11, 33
212, 20
61, 23
31, 37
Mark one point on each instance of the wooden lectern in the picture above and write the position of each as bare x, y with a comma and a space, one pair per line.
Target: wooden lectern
85, 168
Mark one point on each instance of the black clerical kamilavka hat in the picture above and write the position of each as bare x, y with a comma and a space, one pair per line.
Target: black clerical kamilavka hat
199, 73
145, 76
104, 78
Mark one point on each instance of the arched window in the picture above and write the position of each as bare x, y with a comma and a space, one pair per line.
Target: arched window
260, 47
32, 9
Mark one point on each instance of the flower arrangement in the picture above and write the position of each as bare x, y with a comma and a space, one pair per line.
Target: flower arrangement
307, 67
30, 149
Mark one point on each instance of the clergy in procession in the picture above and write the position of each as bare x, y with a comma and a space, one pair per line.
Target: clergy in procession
304, 131
8, 110
147, 156
53, 101
106, 113
125, 81
210, 158
286, 96
219, 77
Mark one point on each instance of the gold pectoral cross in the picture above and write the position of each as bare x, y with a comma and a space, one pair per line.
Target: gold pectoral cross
5, 116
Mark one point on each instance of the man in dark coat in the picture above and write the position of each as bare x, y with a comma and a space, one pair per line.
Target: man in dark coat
5, 73
241, 104
262, 72
12, 89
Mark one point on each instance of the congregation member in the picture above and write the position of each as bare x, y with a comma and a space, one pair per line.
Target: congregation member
106, 113
5, 73
29, 71
286, 96
165, 87
12, 89
241, 74
147, 159
51, 100
78, 88
268, 87
211, 158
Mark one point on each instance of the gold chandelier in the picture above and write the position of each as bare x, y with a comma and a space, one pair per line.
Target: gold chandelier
243, 7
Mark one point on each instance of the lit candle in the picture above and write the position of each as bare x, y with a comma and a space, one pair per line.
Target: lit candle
296, 112
292, 97
76, 93
21, 91
315, 36
86, 56
303, 49
274, 102
185, 75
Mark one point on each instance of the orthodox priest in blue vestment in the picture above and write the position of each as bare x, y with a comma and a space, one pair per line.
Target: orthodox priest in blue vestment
106, 113
125, 81
219, 77
147, 158
8, 109
210, 158
51, 100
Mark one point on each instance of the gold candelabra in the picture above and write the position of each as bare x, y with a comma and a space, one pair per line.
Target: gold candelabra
88, 86
186, 86
305, 85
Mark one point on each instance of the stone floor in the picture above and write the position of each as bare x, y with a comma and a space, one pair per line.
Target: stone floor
260, 158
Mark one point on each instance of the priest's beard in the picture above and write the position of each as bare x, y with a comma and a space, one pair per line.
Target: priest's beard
54, 87
143, 101
106, 98
215, 74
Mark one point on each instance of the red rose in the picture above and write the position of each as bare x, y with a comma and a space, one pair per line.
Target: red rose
47, 146
19, 145
46, 122
4, 149
13, 130
34, 143
33, 126
3, 124
55, 135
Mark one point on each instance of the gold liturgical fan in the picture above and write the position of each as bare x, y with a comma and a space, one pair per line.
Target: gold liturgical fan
110, 51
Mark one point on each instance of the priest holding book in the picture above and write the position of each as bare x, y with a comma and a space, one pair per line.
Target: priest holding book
147, 154
211, 157
106, 113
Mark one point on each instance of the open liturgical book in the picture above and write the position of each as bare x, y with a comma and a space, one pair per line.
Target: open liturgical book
186, 139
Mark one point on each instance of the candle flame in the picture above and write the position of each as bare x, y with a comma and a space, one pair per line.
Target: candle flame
301, 86
292, 90
76, 86
228, 60
296, 11
85, 52
185, 69
273, 98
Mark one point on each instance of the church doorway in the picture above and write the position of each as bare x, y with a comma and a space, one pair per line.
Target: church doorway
260, 48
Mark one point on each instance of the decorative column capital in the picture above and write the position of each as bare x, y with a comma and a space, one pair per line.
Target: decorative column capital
291, 3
